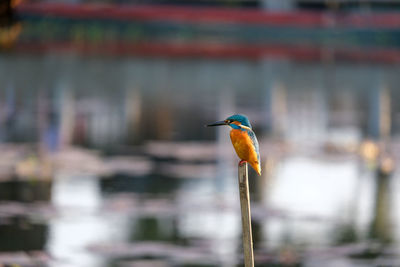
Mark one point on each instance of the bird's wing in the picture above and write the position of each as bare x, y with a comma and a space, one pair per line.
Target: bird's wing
254, 142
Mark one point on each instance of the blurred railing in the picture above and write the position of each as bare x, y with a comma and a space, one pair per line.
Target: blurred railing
209, 32
294, 18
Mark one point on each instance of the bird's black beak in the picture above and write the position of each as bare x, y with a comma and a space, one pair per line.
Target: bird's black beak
217, 123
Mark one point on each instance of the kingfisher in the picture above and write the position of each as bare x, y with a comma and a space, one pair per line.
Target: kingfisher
243, 140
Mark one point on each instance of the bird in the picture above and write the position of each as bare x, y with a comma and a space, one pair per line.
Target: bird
243, 140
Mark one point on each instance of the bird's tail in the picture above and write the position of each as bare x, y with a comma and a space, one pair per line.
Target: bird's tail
256, 166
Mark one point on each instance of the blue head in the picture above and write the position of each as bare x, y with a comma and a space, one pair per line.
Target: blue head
234, 121
242, 119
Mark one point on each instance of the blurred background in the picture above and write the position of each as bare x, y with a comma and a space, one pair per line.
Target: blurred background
105, 160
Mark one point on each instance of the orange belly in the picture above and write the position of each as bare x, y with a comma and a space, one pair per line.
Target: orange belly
244, 148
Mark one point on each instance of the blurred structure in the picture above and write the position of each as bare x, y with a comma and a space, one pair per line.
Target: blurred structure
10, 28
168, 30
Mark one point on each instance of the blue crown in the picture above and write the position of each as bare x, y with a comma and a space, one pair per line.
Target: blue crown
240, 118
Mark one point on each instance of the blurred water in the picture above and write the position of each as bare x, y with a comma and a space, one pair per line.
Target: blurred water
105, 161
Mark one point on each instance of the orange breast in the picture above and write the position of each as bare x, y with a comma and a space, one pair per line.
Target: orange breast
244, 148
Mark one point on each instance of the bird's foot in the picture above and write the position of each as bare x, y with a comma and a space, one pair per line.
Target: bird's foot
242, 162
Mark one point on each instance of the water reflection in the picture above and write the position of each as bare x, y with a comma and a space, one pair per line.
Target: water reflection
381, 228
20, 227
20, 233
155, 184
22, 191
79, 223
171, 210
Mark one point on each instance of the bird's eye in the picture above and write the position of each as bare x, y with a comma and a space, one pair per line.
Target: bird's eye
228, 121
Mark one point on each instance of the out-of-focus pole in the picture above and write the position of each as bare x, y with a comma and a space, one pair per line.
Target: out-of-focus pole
246, 215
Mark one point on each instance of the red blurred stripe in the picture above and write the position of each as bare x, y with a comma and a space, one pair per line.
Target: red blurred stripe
211, 14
